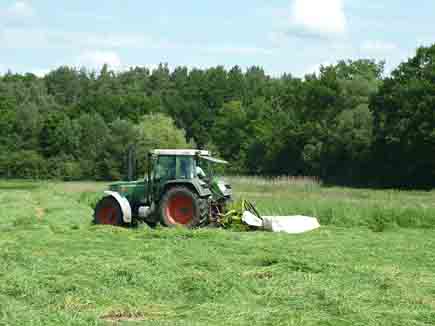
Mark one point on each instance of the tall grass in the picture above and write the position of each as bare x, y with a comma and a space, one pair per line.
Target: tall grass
276, 181
344, 207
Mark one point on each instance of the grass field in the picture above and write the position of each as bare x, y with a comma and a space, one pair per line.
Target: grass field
372, 262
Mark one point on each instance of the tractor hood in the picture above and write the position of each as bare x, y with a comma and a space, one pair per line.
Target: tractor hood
220, 188
134, 190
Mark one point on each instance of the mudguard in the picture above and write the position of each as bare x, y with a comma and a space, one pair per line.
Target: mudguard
123, 203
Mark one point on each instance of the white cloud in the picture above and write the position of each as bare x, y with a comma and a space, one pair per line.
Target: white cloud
23, 38
378, 46
40, 72
89, 15
43, 38
278, 38
96, 59
425, 41
26, 38
21, 9
233, 50
16, 12
111, 41
315, 69
317, 18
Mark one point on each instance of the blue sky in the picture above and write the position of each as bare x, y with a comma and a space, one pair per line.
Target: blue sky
293, 36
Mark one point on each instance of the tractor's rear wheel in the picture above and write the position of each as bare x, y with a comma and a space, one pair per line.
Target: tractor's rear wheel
108, 212
181, 206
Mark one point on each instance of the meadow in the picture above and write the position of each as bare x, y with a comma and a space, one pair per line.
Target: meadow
371, 262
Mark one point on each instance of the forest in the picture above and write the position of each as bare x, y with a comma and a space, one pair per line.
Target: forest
349, 124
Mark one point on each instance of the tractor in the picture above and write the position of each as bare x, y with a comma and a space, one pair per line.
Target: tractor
180, 189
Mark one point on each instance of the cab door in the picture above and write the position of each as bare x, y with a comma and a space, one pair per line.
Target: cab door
164, 170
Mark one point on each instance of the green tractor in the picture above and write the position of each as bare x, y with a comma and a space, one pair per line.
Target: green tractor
180, 189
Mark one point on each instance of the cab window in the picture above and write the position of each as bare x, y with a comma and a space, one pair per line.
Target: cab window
165, 168
185, 167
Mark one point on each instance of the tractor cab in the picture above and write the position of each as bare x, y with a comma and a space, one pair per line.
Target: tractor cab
180, 189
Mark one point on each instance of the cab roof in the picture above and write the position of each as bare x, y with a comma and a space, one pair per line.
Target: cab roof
188, 152
185, 152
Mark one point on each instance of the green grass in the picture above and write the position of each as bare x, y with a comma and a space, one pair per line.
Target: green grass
344, 207
57, 269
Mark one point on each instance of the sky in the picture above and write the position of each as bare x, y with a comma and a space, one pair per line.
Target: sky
282, 36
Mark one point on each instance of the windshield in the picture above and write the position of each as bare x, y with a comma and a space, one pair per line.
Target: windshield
209, 168
204, 169
174, 167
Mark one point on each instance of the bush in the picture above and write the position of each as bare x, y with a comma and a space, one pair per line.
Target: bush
158, 131
23, 164
71, 171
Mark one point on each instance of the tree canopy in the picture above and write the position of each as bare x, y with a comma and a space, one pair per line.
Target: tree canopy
346, 124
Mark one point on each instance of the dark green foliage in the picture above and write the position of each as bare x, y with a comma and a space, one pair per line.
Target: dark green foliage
404, 112
347, 124
26, 164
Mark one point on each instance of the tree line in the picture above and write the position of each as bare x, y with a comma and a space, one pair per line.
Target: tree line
347, 124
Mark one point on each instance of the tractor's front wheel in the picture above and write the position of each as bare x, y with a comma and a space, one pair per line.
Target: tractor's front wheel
182, 207
108, 212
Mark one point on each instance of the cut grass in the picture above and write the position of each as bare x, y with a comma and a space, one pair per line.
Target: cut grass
58, 269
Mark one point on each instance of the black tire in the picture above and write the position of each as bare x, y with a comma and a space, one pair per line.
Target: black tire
152, 225
181, 206
204, 211
108, 212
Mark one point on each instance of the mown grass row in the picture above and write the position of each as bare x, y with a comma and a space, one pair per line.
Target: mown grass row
58, 269
102, 275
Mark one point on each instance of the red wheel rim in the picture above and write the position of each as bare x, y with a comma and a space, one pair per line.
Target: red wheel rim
107, 215
180, 209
